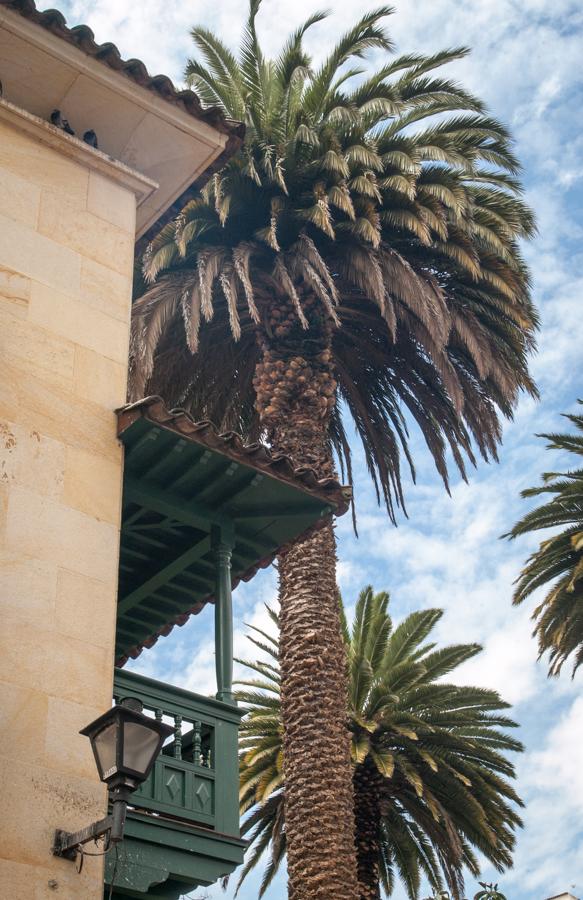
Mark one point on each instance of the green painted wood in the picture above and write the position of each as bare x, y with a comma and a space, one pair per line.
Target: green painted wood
164, 575
194, 837
175, 492
191, 512
160, 695
164, 859
178, 786
223, 618
260, 511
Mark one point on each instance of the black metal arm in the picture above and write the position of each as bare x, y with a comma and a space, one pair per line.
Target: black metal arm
66, 843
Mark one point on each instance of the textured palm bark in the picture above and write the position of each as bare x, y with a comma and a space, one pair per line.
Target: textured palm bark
367, 821
295, 390
319, 807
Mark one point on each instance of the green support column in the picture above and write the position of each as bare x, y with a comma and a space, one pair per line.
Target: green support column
223, 545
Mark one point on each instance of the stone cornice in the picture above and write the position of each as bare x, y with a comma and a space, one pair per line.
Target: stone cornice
76, 149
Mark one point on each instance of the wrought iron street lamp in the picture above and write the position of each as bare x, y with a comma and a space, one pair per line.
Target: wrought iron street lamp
125, 744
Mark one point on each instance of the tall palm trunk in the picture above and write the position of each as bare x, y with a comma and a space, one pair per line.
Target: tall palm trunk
295, 395
367, 814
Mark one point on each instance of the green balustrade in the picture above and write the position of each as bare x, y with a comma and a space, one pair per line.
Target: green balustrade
183, 828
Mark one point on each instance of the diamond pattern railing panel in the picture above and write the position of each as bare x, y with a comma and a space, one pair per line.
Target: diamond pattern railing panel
197, 762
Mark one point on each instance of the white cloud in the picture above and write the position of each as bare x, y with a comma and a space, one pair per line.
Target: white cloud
507, 663
549, 858
557, 768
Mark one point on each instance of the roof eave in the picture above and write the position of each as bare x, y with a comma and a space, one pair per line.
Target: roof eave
256, 455
202, 139
234, 143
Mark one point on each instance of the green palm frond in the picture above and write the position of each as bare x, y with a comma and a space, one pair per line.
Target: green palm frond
559, 559
438, 752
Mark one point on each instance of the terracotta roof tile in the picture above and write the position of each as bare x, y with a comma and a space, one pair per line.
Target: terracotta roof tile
231, 444
81, 36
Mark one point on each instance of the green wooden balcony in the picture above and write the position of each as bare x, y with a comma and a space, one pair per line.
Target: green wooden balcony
183, 828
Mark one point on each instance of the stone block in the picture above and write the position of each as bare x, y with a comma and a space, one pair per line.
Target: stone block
14, 292
34, 161
66, 316
106, 290
39, 256
85, 233
28, 587
93, 485
30, 459
112, 202
61, 876
19, 198
100, 379
57, 879
23, 720
35, 351
86, 608
4, 493
40, 527
35, 802
35, 656
64, 748
56, 412
16, 878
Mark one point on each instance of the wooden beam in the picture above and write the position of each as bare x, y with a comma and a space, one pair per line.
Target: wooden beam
202, 587
136, 553
281, 511
191, 512
145, 539
160, 578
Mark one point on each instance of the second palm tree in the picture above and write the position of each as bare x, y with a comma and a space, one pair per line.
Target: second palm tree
431, 781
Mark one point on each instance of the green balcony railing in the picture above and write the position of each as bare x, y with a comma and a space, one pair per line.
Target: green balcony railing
182, 829
195, 778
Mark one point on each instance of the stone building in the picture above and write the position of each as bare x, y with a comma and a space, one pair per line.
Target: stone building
99, 558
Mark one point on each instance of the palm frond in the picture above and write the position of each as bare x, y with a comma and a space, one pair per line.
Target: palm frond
385, 213
558, 562
435, 754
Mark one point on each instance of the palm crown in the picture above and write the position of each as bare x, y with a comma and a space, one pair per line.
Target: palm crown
559, 559
430, 779
373, 216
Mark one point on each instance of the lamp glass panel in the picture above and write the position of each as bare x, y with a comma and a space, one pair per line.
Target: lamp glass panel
104, 744
139, 746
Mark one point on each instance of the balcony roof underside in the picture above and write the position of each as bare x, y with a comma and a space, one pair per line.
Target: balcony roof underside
182, 481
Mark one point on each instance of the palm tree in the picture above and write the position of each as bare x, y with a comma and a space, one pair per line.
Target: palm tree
559, 559
362, 248
488, 892
430, 779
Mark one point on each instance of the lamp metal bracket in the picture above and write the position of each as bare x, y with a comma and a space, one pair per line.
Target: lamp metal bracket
66, 843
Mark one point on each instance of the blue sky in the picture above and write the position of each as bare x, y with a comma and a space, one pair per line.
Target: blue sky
526, 64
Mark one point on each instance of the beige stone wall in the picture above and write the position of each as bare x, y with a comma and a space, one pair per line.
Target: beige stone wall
66, 252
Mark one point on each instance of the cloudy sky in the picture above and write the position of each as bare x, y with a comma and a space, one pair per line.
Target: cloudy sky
526, 64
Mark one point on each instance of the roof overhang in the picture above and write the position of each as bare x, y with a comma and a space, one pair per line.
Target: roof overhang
182, 480
140, 121
75, 149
